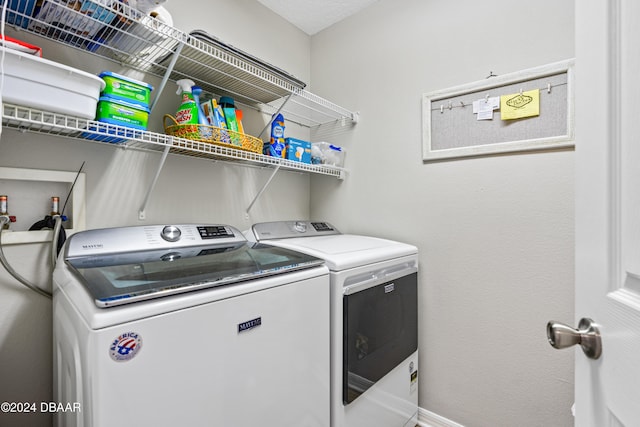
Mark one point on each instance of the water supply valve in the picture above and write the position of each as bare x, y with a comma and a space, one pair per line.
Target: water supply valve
12, 218
5, 220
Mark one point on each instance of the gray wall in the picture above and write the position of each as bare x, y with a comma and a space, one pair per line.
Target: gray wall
495, 233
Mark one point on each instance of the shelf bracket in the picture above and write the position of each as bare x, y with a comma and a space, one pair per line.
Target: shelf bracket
167, 74
275, 114
141, 213
264, 187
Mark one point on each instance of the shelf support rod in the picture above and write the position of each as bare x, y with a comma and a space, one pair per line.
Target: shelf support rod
141, 212
167, 73
275, 114
264, 187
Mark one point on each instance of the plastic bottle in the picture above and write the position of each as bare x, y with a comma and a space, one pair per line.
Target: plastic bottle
229, 110
4, 210
277, 147
196, 91
55, 206
239, 115
188, 111
205, 130
218, 116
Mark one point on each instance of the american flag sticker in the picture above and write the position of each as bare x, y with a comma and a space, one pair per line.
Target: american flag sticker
125, 347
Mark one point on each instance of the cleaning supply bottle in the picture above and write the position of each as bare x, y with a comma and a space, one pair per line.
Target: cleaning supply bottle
229, 110
217, 109
187, 114
205, 130
215, 117
196, 91
277, 147
239, 116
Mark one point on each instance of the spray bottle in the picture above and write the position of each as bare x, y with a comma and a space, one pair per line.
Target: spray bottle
196, 91
205, 130
187, 114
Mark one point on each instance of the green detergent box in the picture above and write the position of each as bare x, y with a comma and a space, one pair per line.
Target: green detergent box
298, 150
126, 89
129, 118
122, 113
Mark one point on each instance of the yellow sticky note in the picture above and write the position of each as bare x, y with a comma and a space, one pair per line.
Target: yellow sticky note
519, 105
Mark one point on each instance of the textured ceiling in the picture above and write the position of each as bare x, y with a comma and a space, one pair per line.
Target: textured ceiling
312, 16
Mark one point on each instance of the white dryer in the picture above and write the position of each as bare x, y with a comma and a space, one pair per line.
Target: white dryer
189, 325
374, 320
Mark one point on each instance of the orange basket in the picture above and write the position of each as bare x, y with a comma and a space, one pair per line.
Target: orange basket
213, 135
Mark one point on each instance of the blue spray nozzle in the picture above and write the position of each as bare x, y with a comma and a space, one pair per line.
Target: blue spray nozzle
196, 91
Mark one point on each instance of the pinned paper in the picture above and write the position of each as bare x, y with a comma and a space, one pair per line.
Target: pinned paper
484, 107
519, 105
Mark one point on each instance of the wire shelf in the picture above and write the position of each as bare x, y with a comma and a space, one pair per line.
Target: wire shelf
32, 120
115, 31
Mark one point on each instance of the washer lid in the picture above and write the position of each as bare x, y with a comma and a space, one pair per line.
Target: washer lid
344, 251
120, 277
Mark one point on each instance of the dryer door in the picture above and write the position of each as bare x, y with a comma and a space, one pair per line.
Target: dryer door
380, 331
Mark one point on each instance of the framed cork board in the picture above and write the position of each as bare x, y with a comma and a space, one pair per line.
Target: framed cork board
523, 111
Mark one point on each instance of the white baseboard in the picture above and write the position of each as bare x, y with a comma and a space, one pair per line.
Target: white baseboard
429, 419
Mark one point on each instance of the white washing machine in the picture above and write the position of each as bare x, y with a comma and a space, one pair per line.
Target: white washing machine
374, 320
189, 325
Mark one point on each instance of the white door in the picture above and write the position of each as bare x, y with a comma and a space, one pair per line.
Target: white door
608, 209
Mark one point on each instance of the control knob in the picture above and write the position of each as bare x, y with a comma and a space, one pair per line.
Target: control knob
300, 226
171, 233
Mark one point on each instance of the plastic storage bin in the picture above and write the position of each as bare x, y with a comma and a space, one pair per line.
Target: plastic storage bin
21, 46
122, 113
126, 89
41, 84
127, 119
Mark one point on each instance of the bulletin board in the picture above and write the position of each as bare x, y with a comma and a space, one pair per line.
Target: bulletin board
523, 111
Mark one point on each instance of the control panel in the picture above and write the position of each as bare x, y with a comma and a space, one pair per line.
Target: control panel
288, 229
215, 231
150, 237
322, 226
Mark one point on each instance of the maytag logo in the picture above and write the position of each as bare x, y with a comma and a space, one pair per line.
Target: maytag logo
94, 246
389, 288
249, 324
